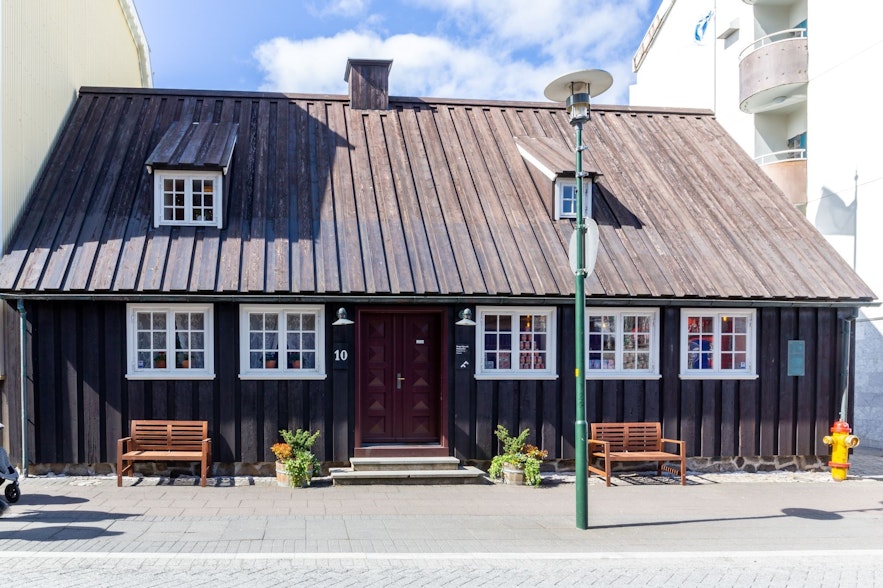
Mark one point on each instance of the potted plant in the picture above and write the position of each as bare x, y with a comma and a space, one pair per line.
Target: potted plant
159, 360
520, 462
271, 361
295, 459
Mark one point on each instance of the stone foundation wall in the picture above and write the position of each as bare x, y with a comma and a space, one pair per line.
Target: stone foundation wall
750, 464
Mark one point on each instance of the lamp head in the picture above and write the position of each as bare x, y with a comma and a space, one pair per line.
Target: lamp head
575, 90
341, 318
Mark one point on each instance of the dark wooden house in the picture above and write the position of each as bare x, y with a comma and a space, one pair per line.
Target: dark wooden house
185, 254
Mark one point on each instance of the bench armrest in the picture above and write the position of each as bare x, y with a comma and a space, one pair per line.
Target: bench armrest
605, 445
680, 444
123, 444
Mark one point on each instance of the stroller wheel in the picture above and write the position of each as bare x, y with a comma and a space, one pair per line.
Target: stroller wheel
13, 493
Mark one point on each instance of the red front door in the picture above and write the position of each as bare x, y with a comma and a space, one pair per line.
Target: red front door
399, 377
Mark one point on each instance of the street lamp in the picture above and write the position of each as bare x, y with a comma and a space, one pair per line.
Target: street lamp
575, 89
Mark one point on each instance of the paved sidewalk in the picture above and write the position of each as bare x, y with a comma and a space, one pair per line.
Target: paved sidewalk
777, 529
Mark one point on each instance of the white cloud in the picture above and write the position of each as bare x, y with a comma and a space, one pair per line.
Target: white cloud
508, 49
344, 8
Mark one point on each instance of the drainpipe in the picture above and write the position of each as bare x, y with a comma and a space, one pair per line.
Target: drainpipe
844, 373
24, 387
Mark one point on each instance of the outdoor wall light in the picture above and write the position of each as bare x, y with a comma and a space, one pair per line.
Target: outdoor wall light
465, 318
341, 318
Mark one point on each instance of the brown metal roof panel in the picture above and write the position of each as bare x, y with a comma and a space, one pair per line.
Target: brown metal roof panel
133, 184
637, 179
429, 208
495, 203
462, 193
828, 269
747, 208
352, 274
546, 245
423, 257
466, 268
395, 246
527, 268
255, 213
373, 259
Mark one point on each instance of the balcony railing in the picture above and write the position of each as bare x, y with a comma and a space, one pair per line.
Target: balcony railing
775, 37
777, 156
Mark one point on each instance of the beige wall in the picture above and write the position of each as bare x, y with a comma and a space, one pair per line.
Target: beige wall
50, 49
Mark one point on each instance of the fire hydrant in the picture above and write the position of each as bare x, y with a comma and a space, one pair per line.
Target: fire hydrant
841, 442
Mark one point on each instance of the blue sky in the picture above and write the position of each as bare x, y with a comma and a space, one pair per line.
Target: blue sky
503, 49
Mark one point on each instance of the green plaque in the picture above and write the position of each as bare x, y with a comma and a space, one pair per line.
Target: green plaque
796, 358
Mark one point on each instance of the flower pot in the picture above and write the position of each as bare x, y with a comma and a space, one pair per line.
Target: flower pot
283, 480
281, 474
271, 364
513, 474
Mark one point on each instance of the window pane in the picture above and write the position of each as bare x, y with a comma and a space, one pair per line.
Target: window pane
309, 341
255, 321
309, 360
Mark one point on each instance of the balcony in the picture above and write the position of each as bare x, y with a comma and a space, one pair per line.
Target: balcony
773, 72
788, 170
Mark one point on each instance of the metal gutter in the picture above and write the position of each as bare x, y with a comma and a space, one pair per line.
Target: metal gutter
446, 299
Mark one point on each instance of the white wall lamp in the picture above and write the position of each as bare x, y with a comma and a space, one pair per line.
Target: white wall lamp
341, 318
465, 318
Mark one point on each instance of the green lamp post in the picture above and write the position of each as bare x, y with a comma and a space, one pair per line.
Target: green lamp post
575, 89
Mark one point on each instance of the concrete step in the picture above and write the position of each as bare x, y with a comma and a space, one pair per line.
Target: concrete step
376, 464
461, 475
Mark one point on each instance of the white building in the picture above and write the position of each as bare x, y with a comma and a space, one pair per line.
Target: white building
793, 82
50, 48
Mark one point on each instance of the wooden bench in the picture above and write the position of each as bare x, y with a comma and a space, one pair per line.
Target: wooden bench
165, 441
612, 442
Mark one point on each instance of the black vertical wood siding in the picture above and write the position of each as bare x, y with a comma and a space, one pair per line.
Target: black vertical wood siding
81, 402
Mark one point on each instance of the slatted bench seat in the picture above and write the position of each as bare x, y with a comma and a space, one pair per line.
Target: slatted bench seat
165, 441
612, 442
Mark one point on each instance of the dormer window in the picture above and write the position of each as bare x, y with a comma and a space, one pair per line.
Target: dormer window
565, 198
188, 166
554, 159
188, 198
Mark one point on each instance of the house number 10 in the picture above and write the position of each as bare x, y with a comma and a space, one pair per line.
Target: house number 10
340, 355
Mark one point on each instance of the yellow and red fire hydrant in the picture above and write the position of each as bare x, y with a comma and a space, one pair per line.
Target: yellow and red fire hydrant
841, 442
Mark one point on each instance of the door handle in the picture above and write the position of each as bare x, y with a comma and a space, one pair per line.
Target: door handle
399, 380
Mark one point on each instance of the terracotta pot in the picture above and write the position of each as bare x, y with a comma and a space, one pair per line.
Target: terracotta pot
271, 363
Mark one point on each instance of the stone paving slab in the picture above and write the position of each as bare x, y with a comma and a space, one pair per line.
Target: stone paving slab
775, 529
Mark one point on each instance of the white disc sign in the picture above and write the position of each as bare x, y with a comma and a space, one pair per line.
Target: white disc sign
591, 247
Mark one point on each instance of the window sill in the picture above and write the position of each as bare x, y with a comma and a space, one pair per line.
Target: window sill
170, 376
283, 376
622, 376
513, 376
718, 376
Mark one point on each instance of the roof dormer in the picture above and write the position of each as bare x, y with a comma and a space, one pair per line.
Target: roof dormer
555, 161
188, 166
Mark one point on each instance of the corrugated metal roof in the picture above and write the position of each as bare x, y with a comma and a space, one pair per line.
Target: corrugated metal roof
431, 197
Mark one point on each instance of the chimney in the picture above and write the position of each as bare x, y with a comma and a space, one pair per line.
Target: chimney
368, 82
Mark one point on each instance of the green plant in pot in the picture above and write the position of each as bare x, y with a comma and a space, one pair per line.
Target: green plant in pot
295, 456
517, 455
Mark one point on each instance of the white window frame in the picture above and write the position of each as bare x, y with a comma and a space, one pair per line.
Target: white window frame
619, 372
561, 184
282, 371
514, 372
171, 371
749, 371
217, 180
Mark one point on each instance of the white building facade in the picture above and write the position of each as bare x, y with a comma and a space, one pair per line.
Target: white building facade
792, 81
49, 50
